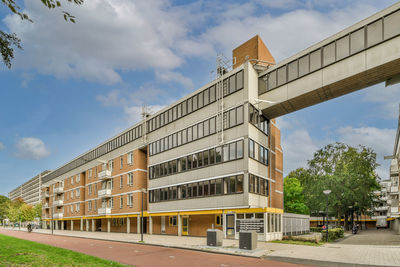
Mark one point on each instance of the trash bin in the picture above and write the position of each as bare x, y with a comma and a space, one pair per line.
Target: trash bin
248, 240
214, 237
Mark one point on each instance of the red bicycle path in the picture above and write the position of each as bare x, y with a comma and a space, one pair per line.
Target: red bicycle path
144, 255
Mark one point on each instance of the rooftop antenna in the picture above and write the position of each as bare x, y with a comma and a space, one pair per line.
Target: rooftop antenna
223, 66
145, 114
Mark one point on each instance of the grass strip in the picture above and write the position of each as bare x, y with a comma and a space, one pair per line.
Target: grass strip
19, 252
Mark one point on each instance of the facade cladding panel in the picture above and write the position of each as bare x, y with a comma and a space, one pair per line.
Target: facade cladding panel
191, 166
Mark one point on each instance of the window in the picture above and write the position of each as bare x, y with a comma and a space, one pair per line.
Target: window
121, 162
72, 180
172, 221
90, 173
251, 148
72, 194
90, 190
90, 205
78, 178
130, 179
225, 152
95, 204
112, 202
218, 220
121, 202
130, 200
218, 154
77, 192
121, 181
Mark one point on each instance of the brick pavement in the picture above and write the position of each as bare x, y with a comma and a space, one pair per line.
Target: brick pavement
327, 255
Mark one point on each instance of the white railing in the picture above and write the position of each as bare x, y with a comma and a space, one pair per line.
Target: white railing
58, 190
104, 192
58, 202
394, 189
58, 215
46, 194
46, 205
104, 211
104, 175
394, 209
381, 208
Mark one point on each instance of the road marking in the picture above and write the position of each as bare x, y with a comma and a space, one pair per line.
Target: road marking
223, 265
136, 251
109, 247
172, 257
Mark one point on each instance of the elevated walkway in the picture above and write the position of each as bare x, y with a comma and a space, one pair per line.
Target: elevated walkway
362, 55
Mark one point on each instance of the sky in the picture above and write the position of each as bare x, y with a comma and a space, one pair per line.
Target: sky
73, 86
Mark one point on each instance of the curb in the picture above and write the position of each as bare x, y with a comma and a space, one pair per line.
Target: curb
317, 262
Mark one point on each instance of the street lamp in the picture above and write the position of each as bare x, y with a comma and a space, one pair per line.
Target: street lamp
143, 190
327, 192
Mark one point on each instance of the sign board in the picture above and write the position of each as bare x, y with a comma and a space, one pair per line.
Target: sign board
250, 225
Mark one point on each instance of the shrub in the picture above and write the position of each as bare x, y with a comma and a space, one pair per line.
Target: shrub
333, 234
316, 229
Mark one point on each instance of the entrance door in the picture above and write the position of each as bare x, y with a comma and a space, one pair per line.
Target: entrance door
230, 226
185, 225
163, 224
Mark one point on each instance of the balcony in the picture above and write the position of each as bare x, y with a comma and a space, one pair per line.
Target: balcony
382, 208
46, 205
46, 195
104, 211
394, 210
58, 190
104, 175
58, 203
58, 215
104, 193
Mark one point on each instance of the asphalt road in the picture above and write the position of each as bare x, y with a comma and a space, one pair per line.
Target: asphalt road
382, 237
144, 255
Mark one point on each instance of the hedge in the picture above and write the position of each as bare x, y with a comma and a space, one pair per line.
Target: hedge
316, 229
333, 234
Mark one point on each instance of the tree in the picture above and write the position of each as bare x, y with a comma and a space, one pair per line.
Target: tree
14, 210
3, 207
293, 196
10, 40
38, 211
347, 171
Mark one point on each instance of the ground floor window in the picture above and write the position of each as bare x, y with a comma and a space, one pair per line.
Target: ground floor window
172, 221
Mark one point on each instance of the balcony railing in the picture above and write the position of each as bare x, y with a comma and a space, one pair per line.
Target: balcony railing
46, 194
58, 215
58, 190
104, 175
58, 202
104, 211
104, 193
46, 205
382, 208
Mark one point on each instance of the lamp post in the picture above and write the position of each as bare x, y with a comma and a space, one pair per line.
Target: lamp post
327, 192
351, 217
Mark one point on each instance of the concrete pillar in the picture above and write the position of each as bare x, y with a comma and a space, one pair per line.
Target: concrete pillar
108, 225
87, 225
138, 224
93, 225
81, 224
150, 225
62, 225
72, 225
224, 224
128, 225
179, 217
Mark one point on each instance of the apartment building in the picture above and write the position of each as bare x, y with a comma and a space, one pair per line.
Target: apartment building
393, 200
29, 191
209, 160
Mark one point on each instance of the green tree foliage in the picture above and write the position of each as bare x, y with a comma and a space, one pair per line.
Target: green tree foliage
14, 210
38, 211
349, 172
8, 41
294, 197
3, 206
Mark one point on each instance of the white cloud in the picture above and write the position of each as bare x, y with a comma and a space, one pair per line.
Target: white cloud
2, 146
284, 34
134, 113
380, 140
112, 99
109, 36
31, 148
298, 147
387, 97
171, 76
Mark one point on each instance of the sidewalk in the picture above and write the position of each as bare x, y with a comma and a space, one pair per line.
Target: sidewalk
328, 255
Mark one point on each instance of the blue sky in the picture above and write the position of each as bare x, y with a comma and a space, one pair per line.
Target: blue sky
75, 85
